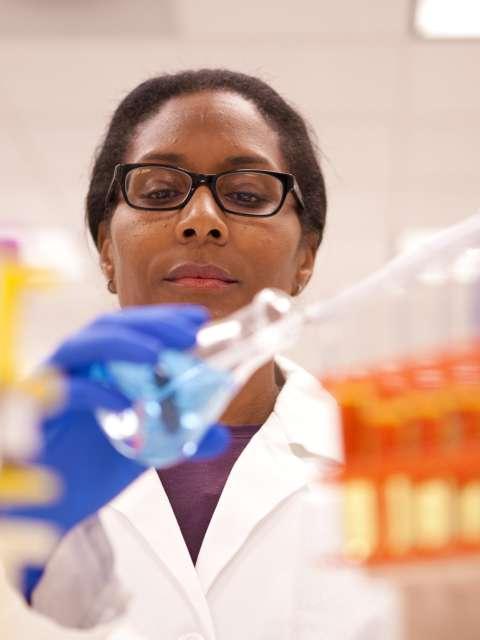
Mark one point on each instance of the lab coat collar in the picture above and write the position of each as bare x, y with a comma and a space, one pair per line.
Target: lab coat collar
271, 468
265, 474
274, 465
308, 414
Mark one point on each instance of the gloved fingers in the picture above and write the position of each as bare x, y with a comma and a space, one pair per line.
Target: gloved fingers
213, 443
175, 326
81, 394
104, 344
137, 334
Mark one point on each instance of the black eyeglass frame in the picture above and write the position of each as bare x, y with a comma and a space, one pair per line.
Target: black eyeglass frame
288, 181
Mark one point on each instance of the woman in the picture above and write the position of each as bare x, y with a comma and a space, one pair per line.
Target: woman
206, 549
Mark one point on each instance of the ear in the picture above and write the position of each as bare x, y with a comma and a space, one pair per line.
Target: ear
306, 261
104, 244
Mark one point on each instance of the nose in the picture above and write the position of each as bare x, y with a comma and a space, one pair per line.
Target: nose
202, 220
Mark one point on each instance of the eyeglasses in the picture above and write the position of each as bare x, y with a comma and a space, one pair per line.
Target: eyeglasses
245, 192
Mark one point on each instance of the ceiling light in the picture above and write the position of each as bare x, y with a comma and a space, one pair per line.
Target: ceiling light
447, 18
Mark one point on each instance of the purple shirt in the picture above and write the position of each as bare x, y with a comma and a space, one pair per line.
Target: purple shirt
194, 487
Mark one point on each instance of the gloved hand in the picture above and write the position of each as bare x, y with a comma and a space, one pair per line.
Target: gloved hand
75, 446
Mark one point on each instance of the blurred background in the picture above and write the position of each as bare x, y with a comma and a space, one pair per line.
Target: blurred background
395, 109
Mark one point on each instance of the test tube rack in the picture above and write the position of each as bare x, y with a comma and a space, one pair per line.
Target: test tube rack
410, 485
21, 482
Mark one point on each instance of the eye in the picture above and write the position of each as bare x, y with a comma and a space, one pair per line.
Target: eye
156, 187
245, 197
161, 194
253, 193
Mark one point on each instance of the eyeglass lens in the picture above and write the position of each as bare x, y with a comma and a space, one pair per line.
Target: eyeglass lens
166, 188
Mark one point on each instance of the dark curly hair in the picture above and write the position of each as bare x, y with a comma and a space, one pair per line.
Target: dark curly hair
147, 98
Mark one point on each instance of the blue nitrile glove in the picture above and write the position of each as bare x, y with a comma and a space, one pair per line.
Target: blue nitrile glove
75, 447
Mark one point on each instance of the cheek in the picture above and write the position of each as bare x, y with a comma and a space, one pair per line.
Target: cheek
127, 245
133, 245
133, 238
272, 250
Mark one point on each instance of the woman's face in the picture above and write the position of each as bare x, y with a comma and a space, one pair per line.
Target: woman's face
206, 132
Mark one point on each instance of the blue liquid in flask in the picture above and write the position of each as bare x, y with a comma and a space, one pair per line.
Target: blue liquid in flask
174, 404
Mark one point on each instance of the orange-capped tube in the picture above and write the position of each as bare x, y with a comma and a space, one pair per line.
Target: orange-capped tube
353, 393
431, 404
462, 367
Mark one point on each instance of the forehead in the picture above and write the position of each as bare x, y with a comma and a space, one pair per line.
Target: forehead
206, 128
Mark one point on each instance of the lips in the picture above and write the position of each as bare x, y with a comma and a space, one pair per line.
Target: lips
207, 272
201, 276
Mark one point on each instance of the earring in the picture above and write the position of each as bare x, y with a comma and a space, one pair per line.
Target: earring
111, 286
298, 290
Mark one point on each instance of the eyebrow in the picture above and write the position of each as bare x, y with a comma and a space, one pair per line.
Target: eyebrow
231, 161
174, 158
243, 160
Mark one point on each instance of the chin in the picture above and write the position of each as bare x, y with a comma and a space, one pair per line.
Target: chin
219, 303
217, 308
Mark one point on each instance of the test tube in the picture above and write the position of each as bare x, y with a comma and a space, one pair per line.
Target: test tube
464, 373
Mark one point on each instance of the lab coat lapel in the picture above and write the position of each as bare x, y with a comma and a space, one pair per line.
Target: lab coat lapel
145, 504
265, 474
276, 463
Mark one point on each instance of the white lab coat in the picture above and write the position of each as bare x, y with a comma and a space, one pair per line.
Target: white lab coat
129, 568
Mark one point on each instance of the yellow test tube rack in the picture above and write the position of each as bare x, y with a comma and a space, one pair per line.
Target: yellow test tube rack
21, 483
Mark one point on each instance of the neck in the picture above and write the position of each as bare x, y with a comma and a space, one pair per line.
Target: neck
255, 401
